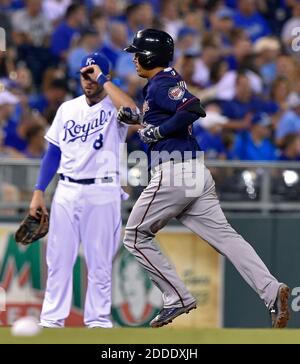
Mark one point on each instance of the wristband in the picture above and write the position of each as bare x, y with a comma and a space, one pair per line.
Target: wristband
101, 79
39, 187
157, 133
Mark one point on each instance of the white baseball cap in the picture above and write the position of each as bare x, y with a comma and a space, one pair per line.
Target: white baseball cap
266, 44
212, 119
7, 97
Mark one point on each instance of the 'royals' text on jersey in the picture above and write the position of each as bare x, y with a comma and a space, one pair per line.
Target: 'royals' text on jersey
88, 137
164, 95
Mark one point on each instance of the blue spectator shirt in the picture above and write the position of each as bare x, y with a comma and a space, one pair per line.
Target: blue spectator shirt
254, 25
289, 123
61, 38
284, 157
235, 109
112, 53
245, 149
211, 144
38, 102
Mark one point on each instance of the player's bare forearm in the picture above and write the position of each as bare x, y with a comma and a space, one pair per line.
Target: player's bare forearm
37, 201
118, 96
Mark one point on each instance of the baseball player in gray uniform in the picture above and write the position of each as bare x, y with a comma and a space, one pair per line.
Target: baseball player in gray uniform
168, 111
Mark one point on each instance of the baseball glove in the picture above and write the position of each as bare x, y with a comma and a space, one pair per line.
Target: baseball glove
32, 228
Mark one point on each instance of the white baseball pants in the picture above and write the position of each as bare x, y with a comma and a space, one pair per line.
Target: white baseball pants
90, 214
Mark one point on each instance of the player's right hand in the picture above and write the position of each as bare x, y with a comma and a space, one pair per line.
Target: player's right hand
128, 116
91, 72
37, 201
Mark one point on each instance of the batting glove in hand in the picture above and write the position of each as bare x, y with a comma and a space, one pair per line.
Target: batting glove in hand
150, 134
128, 116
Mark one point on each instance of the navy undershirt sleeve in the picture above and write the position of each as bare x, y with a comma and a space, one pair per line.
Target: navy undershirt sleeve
177, 122
49, 166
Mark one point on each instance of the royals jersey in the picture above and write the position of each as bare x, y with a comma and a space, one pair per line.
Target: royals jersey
164, 95
89, 138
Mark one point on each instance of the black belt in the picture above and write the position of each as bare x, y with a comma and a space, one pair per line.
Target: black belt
86, 181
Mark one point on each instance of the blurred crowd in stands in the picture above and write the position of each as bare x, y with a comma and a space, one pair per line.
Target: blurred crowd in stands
240, 57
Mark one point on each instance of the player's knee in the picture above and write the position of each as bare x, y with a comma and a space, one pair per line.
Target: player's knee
101, 275
133, 238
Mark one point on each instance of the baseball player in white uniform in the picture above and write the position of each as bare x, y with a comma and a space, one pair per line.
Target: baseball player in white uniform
83, 139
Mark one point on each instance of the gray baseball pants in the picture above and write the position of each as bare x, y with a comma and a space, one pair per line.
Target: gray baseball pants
166, 197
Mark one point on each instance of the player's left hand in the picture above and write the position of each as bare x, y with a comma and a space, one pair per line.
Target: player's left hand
128, 116
91, 72
150, 134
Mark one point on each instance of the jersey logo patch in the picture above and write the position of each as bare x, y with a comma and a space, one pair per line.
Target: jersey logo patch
176, 92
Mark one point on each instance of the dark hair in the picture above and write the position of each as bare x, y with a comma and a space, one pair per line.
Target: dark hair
131, 9
32, 131
210, 40
89, 31
211, 5
278, 81
164, 3
288, 140
72, 9
59, 83
242, 72
215, 70
96, 14
187, 56
237, 34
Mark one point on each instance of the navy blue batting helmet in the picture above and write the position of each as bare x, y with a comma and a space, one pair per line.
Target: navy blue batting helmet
154, 48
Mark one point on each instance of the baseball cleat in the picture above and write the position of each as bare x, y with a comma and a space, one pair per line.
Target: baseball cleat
167, 315
280, 313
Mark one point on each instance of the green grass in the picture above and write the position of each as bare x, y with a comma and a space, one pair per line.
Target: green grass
156, 336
